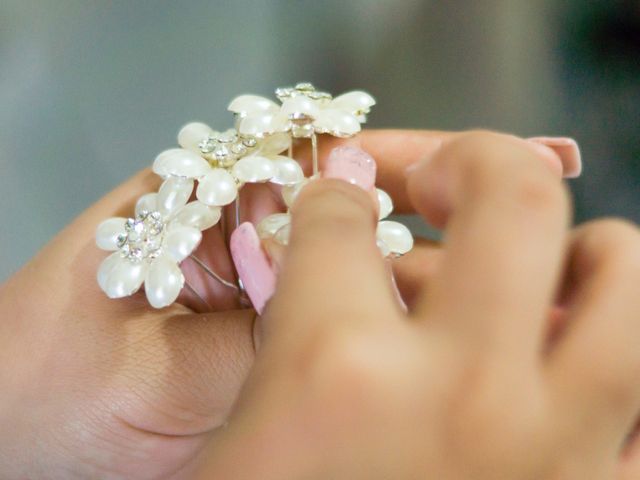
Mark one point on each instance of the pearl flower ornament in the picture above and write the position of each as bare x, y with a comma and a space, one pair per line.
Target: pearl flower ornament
223, 161
304, 112
149, 247
393, 238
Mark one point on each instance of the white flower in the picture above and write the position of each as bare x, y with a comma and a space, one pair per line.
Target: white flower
393, 238
303, 113
149, 247
223, 161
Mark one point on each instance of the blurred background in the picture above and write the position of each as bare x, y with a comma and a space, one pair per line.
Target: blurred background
91, 91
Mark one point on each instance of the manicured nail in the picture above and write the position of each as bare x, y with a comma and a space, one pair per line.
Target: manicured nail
568, 151
351, 165
253, 266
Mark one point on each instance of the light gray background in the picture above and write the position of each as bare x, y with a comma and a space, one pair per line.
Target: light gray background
91, 91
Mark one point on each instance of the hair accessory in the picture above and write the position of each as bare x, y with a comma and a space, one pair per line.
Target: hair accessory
213, 166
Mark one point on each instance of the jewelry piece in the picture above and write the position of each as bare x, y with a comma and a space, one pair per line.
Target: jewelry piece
166, 227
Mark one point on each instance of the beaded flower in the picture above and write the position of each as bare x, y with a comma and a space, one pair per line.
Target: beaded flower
223, 161
304, 112
393, 238
149, 247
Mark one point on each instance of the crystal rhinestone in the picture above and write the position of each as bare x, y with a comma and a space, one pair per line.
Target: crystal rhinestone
142, 238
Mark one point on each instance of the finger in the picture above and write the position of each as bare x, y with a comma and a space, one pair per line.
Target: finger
180, 375
395, 150
595, 364
506, 219
414, 270
333, 268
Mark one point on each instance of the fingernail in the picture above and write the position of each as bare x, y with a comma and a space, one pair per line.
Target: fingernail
568, 151
351, 165
253, 266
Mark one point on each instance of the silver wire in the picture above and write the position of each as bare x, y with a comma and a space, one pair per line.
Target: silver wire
195, 292
211, 273
314, 153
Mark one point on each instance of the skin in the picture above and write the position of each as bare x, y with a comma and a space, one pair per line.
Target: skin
97, 388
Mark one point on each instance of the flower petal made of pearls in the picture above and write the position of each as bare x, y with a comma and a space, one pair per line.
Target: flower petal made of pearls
356, 102
147, 203
385, 203
198, 215
283, 234
118, 277
173, 194
298, 106
288, 171
260, 124
253, 168
251, 104
163, 282
396, 236
180, 241
274, 144
192, 134
180, 163
108, 232
269, 225
337, 123
217, 188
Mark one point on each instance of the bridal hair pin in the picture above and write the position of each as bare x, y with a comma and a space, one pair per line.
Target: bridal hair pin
206, 174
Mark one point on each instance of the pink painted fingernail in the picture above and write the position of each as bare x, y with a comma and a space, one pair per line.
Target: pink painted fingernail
568, 151
351, 165
253, 266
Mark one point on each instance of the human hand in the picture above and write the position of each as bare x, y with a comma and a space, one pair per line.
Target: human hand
100, 388
469, 384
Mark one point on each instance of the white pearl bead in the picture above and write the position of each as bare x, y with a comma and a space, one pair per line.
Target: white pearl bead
283, 234
180, 241
108, 231
274, 144
173, 194
147, 202
164, 282
385, 203
353, 102
250, 104
217, 188
253, 169
338, 123
300, 105
123, 278
384, 248
290, 192
192, 134
288, 171
198, 215
268, 226
258, 124
181, 163
397, 237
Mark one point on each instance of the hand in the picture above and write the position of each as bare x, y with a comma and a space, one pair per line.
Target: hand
100, 388
469, 384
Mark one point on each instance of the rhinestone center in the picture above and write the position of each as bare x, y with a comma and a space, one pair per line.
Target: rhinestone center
223, 149
142, 237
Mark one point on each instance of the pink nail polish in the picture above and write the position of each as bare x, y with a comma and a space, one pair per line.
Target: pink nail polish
253, 266
568, 151
351, 165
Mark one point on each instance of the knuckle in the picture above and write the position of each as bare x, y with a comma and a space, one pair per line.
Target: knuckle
492, 162
337, 362
616, 242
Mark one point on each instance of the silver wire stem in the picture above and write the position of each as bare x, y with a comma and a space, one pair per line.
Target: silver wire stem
211, 273
195, 292
314, 152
